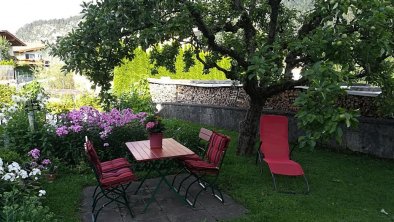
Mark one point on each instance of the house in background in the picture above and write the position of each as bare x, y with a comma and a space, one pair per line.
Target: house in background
31, 54
15, 42
25, 54
21, 73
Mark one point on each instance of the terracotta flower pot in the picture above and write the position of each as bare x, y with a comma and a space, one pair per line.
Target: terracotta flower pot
156, 140
50, 177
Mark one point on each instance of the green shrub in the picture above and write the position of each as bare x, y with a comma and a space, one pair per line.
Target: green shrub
5, 94
67, 103
8, 156
140, 68
184, 132
18, 134
138, 98
18, 206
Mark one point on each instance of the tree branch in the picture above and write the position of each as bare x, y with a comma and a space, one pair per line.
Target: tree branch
211, 65
211, 37
273, 20
280, 87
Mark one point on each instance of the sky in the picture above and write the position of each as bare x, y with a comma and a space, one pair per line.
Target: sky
16, 13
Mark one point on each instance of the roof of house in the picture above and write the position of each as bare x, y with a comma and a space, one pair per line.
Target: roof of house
29, 48
11, 38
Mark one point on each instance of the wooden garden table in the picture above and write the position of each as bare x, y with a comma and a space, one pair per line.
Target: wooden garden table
158, 160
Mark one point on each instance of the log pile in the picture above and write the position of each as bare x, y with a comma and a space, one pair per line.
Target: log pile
366, 105
284, 101
235, 96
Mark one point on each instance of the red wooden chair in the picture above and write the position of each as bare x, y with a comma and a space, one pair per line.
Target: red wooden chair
204, 137
113, 177
106, 166
274, 148
204, 169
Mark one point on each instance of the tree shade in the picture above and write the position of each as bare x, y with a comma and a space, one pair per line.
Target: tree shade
334, 42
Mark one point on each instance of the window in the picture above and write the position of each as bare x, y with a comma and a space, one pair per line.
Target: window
30, 56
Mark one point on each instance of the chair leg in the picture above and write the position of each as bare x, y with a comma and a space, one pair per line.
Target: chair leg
182, 181
95, 190
176, 175
127, 204
274, 181
307, 185
188, 188
220, 192
259, 159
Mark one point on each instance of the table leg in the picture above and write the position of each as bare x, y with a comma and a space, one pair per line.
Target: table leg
151, 166
163, 172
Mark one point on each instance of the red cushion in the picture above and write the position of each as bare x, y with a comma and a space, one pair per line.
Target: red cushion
117, 177
190, 157
114, 164
201, 166
216, 148
284, 167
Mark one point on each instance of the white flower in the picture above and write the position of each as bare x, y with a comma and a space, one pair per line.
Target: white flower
23, 174
1, 162
2, 116
12, 109
41, 193
34, 172
1, 170
14, 166
8, 176
23, 99
39, 96
15, 98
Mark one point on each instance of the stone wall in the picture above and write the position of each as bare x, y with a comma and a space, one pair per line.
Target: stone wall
372, 136
224, 104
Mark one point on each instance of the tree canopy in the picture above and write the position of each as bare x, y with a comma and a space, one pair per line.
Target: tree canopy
333, 42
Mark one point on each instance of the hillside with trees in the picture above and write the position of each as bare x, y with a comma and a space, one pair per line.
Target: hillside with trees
47, 30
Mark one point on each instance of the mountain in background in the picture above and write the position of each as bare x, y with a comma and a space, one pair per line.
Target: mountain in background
47, 30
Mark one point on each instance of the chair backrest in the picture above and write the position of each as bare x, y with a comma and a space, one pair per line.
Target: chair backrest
274, 137
217, 147
92, 155
205, 134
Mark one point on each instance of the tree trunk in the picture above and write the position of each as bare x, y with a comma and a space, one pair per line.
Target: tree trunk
248, 128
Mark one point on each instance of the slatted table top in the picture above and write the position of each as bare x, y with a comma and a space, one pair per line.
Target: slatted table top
171, 149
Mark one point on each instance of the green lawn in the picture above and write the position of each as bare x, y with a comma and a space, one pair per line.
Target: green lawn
64, 195
344, 187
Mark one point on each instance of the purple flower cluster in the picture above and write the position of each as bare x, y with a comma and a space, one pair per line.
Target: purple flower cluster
34, 153
46, 162
87, 118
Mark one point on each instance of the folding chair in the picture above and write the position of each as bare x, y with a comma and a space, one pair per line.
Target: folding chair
113, 181
106, 166
274, 148
202, 169
203, 141
204, 137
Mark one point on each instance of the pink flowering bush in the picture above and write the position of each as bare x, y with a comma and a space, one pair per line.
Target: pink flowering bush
107, 129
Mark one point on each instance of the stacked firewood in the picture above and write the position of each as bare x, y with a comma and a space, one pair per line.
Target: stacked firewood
283, 101
365, 104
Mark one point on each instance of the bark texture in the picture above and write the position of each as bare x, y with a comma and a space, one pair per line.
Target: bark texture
248, 129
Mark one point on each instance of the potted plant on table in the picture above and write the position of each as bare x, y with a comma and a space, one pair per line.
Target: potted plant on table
155, 128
